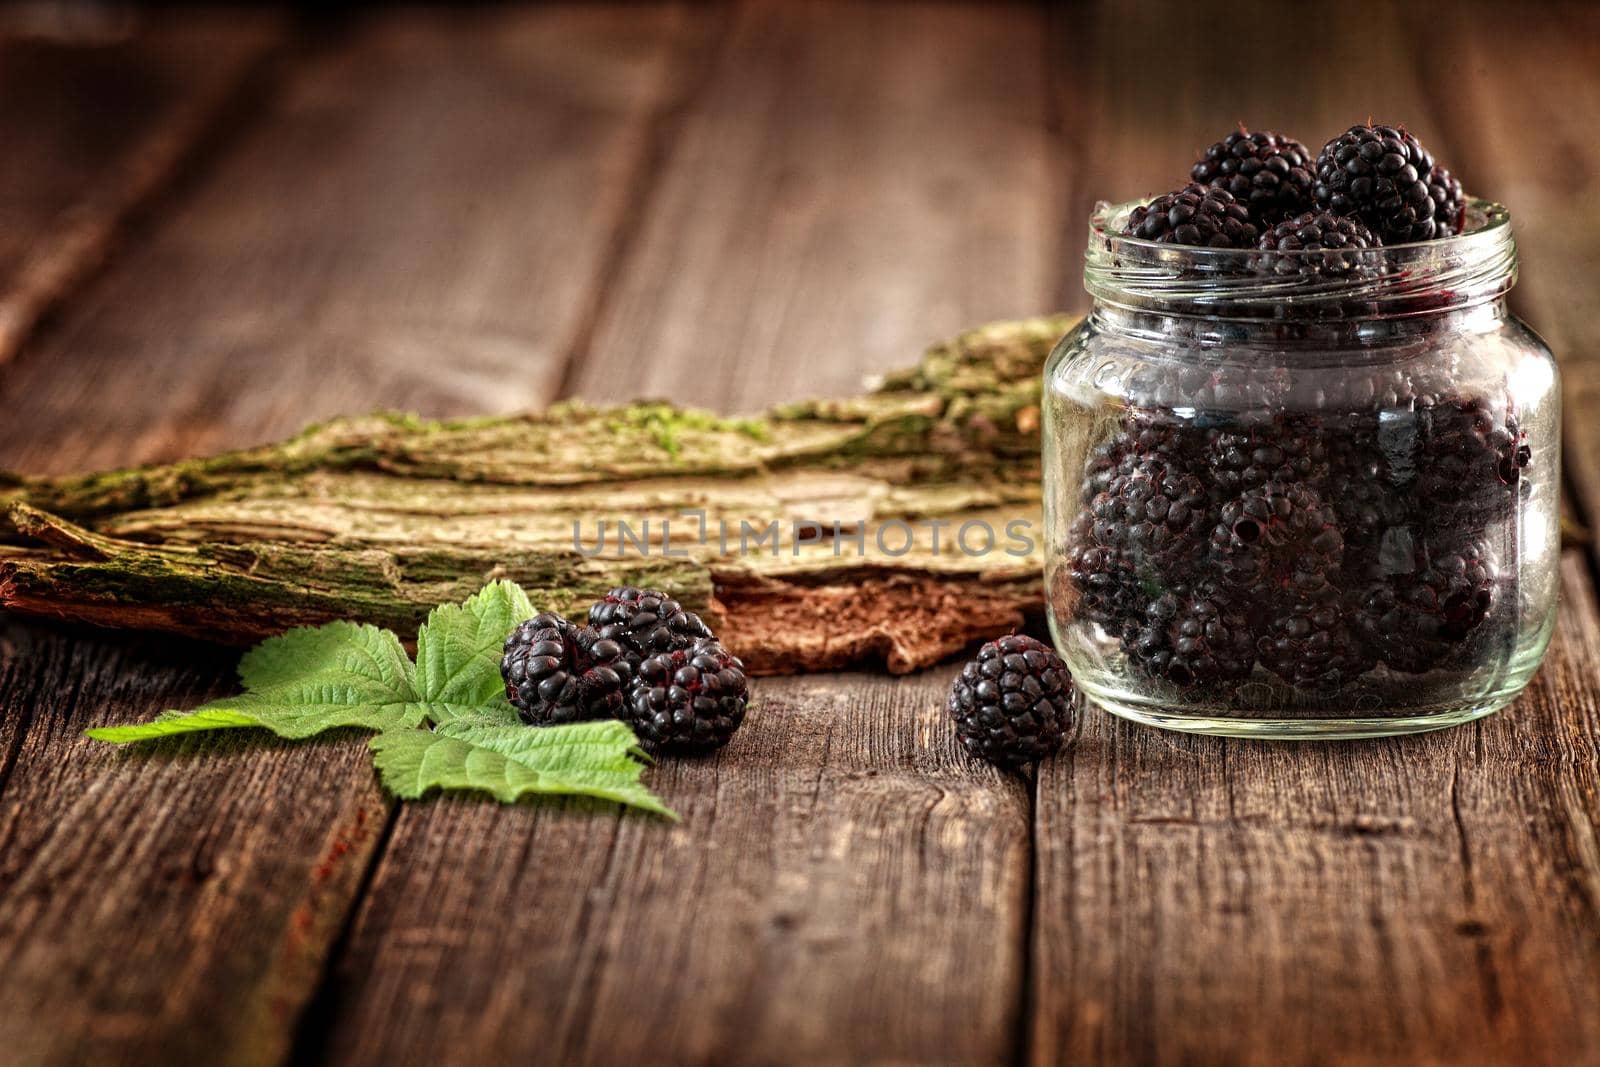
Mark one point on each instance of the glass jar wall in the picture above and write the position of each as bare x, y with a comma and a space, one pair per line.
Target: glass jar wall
1302, 494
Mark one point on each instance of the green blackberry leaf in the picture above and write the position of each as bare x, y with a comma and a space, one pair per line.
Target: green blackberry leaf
303, 683
594, 759
459, 649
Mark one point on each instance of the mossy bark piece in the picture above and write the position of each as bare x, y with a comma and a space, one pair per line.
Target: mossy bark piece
378, 518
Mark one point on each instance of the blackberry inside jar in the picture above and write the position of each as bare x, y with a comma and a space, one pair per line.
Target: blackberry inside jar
1302, 493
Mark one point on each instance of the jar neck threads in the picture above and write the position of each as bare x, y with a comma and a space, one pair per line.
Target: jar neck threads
1423, 279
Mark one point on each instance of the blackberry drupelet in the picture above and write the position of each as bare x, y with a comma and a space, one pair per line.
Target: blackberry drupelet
556, 672
1193, 637
689, 700
1194, 215
1449, 203
645, 622
1412, 621
1310, 645
1379, 174
1013, 703
1271, 175
1276, 541
1342, 242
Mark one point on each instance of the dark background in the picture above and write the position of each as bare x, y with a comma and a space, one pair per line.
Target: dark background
219, 224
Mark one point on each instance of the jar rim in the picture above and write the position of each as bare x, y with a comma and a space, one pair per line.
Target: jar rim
1414, 278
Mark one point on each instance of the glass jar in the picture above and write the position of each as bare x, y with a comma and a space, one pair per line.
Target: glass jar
1302, 494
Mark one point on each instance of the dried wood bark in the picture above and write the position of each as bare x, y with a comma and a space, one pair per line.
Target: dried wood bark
378, 518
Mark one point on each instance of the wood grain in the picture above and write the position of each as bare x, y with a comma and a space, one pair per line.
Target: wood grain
1424, 900
855, 182
173, 904
416, 221
93, 127
846, 887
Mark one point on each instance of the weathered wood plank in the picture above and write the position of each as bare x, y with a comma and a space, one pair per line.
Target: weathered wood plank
845, 888
415, 221
170, 905
857, 181
418, 222
1425, 900
92, 128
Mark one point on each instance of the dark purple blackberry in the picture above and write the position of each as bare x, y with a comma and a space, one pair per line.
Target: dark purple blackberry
1366, 505
1154, 513
689, 700
1258, 447
1470, 462
1193, 637
1100, 585
1380, 175
1311, 645
1194, 215
1412, 621
1340, 244
1275, 542
1013, 703
645, 621
1449, 203
1271, 175
556, 672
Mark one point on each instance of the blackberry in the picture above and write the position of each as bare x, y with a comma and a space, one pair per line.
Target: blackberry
1103, 588
1276, 540
1367, 507
1013, 703
1194, 215
1193, 638
1380, 175
645, 622
1152, 512
556, 672
1271, 175
1411, 621
688, 700
1449, 203
1342, 241
1259, 447
1311, 645
1470, 462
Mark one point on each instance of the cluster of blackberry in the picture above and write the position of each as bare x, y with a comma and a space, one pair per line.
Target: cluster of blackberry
1315, 545
1370, 186
642, 658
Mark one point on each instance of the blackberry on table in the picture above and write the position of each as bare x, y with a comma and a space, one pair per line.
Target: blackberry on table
1379, 174
1194, 215
1012, 704
688, 700
645, 622
1271, 175
1193, 637
556, 672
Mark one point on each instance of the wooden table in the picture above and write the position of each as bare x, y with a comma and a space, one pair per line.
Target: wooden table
215, 228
